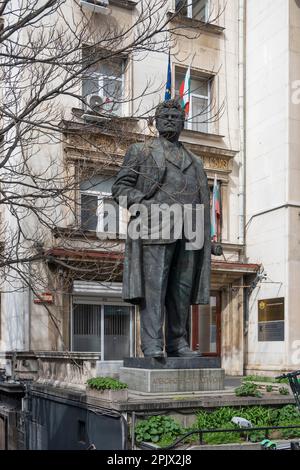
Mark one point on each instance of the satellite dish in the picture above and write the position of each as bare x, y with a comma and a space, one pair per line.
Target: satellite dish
96, 103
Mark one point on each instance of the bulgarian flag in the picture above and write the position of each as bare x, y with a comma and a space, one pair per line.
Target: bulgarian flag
215, 211
184, 91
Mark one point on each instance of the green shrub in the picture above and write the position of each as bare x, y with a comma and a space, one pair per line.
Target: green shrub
290, 433
219, 418
288, 413
269, 388
283, 391
257, 415
248, 389
106, 383
158, 429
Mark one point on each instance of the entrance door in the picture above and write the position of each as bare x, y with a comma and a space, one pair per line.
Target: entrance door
116, 332
206, 327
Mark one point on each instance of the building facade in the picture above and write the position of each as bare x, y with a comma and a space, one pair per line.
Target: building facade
230, 127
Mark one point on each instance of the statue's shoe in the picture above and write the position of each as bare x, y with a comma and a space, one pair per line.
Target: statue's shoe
184, 352
158, 353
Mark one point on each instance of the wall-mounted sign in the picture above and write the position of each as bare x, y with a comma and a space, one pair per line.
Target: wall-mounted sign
271, 319
44, 298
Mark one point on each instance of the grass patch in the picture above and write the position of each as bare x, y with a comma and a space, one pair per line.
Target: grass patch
106, 383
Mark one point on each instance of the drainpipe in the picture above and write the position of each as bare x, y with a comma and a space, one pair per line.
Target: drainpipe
242, 5
242, 119
28, 345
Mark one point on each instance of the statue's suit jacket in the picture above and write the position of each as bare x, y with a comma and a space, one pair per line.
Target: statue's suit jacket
140, 176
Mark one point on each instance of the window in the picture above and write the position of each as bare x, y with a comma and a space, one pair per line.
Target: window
103, 328
196, 9
271, 320
103, 85
199, 102
98, 211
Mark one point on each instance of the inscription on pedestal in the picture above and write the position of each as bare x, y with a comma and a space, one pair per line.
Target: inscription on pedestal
166, 381
172, 380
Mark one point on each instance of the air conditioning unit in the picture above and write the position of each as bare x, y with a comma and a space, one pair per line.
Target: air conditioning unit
96, 103
96, 6
96, 108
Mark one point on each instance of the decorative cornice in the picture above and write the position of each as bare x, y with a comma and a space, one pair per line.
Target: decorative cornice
93, 144
214, 158
211, 151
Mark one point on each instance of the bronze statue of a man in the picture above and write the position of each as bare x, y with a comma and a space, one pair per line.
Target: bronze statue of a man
160, 273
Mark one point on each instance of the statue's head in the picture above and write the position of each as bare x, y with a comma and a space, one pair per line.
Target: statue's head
170, 118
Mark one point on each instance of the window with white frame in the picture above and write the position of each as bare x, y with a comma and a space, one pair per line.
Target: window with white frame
196, 9
104, 79
98, 210
200, 99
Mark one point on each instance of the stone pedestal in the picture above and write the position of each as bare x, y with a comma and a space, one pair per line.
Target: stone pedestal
173, 363
172, 375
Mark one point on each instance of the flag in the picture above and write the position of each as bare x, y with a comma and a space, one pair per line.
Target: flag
184, 91
169, 81
215, 211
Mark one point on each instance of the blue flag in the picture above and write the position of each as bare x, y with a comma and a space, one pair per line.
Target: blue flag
169, 81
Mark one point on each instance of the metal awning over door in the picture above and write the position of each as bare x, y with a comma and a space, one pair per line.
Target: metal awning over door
226, 273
